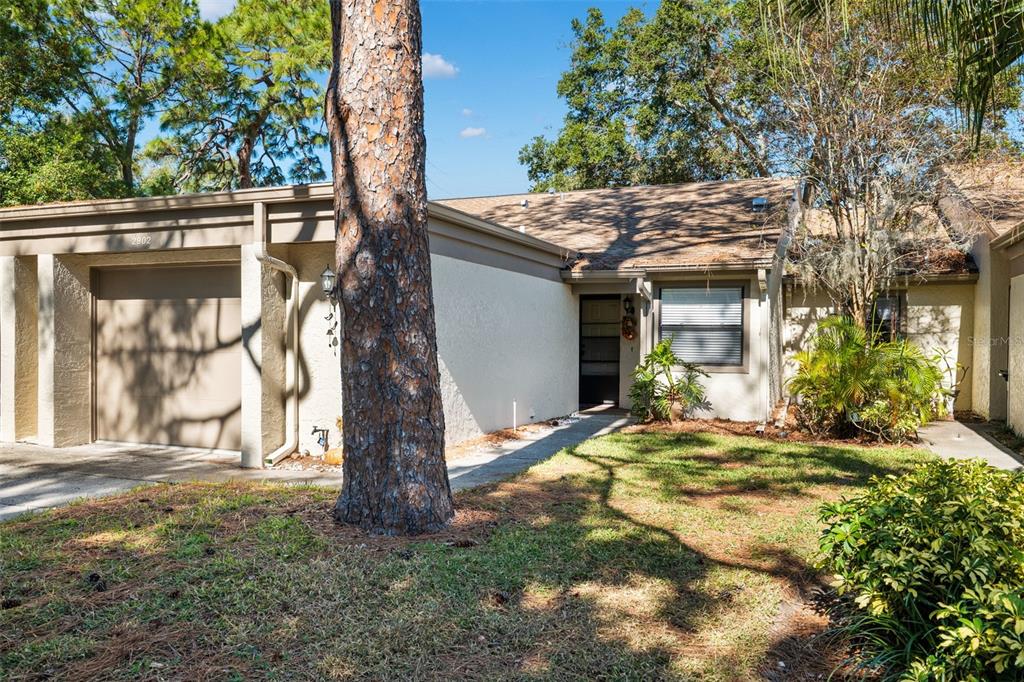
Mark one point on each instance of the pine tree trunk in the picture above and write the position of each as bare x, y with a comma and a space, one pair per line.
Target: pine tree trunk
395, 478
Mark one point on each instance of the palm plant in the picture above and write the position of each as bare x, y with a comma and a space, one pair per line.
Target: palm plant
664, 386
984, 39
850, 381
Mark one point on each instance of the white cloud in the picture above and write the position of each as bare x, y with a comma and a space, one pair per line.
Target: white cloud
436, 66
467, 112
215, 9
472, 132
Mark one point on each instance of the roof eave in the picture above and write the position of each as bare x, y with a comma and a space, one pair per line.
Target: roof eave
612, 274
1009, 237
266, 195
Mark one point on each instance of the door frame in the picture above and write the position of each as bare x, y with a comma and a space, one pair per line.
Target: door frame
579, 363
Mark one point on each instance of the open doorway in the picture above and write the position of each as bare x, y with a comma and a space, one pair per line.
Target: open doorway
599, 350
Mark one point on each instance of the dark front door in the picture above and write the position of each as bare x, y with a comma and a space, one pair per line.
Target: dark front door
599, 350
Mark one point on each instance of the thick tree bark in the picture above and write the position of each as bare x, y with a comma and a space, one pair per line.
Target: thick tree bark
395, 478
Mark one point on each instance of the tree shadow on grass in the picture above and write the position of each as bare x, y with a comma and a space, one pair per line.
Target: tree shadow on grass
769, 468
572, 571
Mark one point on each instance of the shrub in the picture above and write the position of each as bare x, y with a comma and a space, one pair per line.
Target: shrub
664, 385
850, 382
933, 565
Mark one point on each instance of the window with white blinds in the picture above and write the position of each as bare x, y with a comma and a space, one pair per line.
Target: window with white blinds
705, 324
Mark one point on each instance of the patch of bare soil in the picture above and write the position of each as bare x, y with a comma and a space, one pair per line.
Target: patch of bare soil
802, 647
306, 463
298, 462
726, 427
498, 438
1010, 440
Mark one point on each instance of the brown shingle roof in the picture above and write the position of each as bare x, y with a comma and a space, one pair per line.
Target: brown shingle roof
995, 190
684, 225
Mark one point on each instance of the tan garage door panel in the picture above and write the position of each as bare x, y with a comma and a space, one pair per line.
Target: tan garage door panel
168, 356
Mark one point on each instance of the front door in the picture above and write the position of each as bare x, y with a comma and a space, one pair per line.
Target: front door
599, 350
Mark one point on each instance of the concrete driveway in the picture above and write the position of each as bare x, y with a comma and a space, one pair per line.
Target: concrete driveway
34, 478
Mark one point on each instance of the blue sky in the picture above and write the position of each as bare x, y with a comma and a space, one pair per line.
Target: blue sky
490, 81
509, 57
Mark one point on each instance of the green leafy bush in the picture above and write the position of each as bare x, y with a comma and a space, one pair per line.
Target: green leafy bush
933, 565
665, 387
849, 382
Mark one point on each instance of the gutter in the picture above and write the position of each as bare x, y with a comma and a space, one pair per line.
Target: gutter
1008, 238
648, 270
260, 224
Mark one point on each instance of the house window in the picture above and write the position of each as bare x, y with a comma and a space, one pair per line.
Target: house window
887, 317
705, 324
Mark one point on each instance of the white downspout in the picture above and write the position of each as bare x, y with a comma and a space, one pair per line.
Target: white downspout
292, 439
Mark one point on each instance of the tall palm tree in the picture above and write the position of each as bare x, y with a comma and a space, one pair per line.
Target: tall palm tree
985, 39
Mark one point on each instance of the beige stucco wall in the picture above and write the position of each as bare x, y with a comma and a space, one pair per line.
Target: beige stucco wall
630, 354
737, 394
19, 370
988, 347
320, 362
938, 317
1015, 402
265, 360
502, 336
65, 351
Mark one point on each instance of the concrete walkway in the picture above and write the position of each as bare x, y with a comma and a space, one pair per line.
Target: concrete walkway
493, 463
34, 478
958, 440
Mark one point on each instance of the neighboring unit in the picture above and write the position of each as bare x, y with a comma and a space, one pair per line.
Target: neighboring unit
994, 196
159, 321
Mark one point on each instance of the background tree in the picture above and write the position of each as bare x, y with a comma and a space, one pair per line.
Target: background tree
35, 61
248, 99
45, 155
127, 66
395, 477
55, 161
985, 40
868, 124
679, 97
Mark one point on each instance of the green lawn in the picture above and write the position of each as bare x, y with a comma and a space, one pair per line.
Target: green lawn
633, 556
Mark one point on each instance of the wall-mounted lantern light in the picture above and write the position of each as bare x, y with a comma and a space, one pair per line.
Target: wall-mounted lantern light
328, 281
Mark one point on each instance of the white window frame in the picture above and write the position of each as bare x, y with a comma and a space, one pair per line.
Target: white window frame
743, 287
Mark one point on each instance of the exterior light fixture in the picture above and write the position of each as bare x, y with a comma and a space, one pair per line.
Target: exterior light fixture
328, 282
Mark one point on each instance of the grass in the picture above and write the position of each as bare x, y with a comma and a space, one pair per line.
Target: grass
632, 556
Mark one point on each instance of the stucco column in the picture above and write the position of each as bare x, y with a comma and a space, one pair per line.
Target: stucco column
1015, 359
18, 347
64, 328
263, 358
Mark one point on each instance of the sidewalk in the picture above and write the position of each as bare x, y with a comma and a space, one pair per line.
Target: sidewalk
493, 463
957, 440
34, 477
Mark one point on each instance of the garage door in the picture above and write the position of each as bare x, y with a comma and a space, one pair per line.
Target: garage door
168, 355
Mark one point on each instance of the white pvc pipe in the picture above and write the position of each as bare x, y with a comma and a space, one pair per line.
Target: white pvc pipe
292, 441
